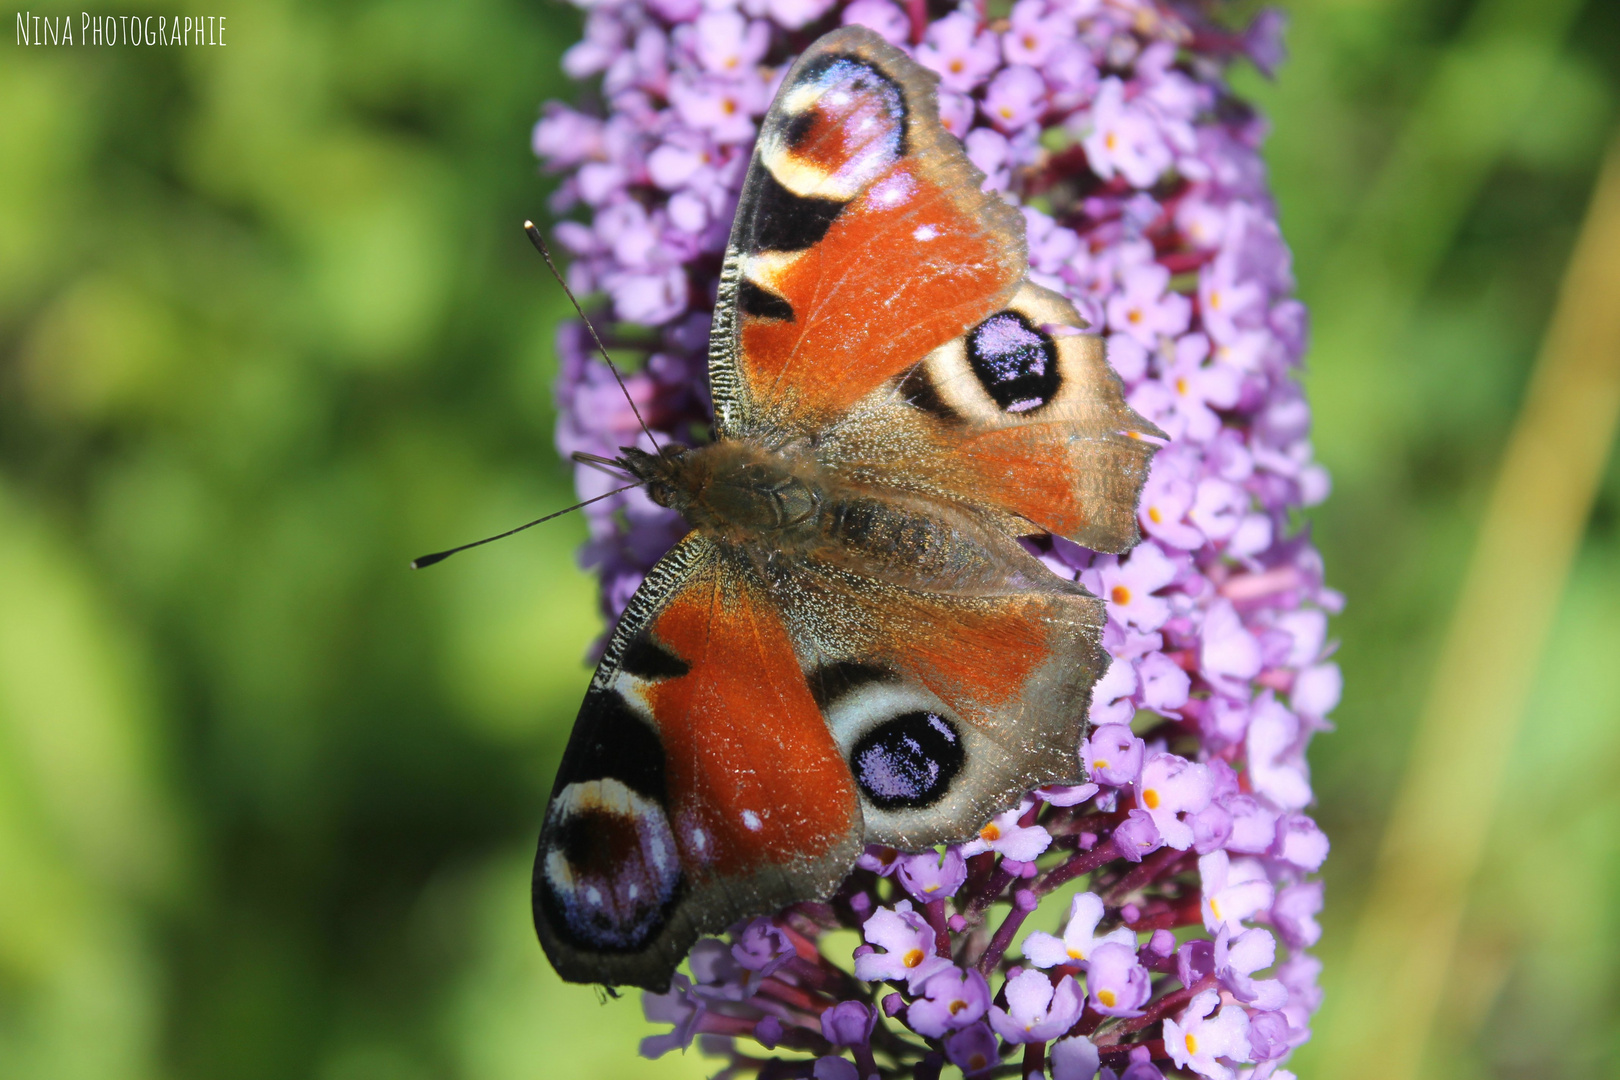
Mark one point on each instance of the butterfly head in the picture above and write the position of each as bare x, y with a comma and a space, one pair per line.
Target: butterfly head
661, 474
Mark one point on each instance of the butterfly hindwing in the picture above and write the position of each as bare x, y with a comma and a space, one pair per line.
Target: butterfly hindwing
1021, 415
700, 785
949, 703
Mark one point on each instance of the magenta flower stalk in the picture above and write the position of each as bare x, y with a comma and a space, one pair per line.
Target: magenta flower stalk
1109, 123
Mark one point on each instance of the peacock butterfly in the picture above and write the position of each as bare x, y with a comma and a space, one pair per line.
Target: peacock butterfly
851, 646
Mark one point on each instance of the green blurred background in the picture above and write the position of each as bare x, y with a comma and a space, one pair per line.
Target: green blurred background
268, 329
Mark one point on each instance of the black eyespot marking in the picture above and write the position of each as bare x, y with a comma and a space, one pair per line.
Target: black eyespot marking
779, 220
766, 305
607, 872
646, 659
907, 762
799, 127
830, 682
860, 77
1015, 361
917, 389
610, 740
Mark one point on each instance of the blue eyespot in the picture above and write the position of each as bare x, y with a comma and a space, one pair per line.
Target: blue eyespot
908, 761
1015, 362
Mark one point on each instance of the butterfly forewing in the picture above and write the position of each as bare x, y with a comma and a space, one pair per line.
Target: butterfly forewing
862, 242
701, 783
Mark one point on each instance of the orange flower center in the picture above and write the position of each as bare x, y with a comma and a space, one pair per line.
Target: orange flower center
1120, 594
913, 958
1150, 798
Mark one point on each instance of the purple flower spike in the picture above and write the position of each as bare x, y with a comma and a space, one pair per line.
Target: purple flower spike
1212, 828
1128, 585
1139, 179
1118, 983
952, 999
930, 876
1036, 1010
960, 52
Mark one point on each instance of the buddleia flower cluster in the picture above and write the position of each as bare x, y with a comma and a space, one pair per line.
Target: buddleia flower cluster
1187, 859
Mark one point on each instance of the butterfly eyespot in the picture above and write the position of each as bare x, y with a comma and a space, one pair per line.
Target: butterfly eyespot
608, 865
1015, 361
908, 761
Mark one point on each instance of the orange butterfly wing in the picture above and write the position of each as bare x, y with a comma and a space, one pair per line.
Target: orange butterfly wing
700, 785
1020, 415
861, 243
867, 269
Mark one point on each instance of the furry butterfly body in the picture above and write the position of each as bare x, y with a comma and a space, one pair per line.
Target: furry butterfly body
851, 646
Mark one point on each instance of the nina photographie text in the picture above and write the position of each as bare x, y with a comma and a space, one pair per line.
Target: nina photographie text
89, 29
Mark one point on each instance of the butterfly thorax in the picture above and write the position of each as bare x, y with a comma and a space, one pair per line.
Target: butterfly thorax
786, 504
736, 491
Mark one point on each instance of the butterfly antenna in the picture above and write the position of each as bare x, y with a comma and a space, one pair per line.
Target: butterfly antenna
600, 462
440, 556
539, 243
